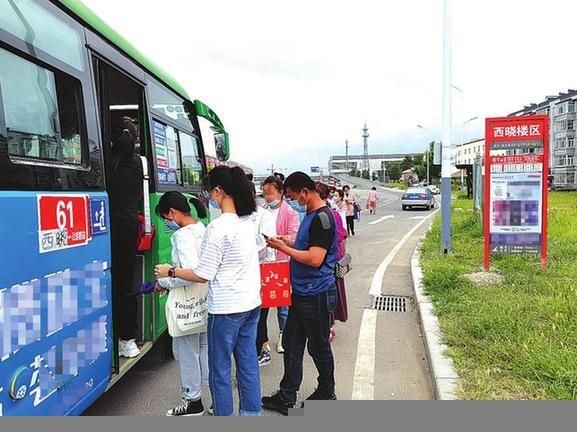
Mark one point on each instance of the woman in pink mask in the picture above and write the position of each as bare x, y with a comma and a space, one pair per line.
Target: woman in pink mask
287, 225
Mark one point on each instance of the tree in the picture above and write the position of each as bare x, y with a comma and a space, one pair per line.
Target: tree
419, 160
421, 171
434, 170
355, 173
394, 171
407, 163
366, 174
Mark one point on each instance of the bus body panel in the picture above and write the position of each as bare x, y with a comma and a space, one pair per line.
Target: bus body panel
55, 313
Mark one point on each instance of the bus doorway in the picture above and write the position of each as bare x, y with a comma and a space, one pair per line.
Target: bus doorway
124, 137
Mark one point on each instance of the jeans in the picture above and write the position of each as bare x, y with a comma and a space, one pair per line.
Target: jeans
308, 320
191, 354
262, 335
234, 334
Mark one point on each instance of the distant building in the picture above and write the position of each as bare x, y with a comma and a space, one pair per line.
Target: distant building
466, 153
562, 119
338, 164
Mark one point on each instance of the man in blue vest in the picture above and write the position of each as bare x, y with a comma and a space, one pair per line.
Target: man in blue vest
313, 259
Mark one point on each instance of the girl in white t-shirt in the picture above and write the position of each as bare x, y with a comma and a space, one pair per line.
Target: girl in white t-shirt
190, 350
229, 262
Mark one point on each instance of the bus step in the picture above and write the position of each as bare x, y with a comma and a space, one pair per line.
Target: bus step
128, 363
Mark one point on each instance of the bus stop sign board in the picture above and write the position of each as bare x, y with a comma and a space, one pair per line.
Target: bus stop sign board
515, 219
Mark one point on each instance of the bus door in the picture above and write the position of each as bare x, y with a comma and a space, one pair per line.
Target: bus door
120, 97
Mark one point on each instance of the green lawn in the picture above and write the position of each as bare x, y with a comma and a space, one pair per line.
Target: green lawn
518, 339
397, 185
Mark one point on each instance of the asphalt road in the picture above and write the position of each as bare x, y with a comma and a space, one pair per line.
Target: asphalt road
378, 355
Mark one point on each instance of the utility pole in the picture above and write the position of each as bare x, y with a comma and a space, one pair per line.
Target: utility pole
447, 150
347, 157
366, 164
428, 155
272, 169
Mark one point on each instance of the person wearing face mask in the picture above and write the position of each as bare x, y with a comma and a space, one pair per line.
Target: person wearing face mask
313, 259
341, 206
229, 263
191, 350
286, 220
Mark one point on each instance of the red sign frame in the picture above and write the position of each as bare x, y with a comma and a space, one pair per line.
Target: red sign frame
510, 133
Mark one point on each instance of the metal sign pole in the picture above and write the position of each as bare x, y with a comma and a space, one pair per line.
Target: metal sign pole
447, 151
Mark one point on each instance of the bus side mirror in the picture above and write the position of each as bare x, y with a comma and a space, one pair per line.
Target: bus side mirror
221, 146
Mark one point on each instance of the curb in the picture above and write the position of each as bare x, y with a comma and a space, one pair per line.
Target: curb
445, 379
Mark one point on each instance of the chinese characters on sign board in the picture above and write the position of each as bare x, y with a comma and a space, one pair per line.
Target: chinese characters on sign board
63, 221
66, 221
516, 186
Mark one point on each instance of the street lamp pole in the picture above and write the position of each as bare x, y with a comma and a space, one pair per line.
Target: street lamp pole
463, 143
426, 155
347, 157
447, 150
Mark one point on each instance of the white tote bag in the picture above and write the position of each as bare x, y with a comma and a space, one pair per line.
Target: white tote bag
186, 310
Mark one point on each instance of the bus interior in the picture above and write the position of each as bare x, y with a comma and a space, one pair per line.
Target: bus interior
120, 96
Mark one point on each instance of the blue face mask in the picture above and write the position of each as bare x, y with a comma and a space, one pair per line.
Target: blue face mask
211, 203
172, 225
296, 206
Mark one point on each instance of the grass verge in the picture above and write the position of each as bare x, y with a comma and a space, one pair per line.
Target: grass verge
517, 339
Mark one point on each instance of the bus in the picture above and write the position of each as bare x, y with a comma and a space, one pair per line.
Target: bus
65, 78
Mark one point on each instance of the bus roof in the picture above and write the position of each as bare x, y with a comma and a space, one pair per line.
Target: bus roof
78, 8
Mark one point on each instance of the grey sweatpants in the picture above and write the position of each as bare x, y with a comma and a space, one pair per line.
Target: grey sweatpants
191, 354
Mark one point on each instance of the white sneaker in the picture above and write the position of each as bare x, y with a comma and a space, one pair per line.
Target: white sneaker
128, 348
279, 347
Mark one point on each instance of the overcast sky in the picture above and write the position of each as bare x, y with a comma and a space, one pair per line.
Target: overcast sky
292, 80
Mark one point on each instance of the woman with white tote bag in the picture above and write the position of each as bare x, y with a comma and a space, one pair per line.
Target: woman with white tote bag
186, 304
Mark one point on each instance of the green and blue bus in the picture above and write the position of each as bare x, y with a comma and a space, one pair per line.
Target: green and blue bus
65, 78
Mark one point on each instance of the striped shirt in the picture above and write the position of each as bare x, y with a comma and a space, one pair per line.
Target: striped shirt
229, 262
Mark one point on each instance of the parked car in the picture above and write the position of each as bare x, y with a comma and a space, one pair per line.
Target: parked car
434, 189
418, 197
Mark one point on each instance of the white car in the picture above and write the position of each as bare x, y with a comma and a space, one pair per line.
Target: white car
418, 197
434, 189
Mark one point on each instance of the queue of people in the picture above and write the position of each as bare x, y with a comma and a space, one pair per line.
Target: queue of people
221, 263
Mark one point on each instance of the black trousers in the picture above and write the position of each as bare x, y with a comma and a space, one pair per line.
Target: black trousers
262, 331
124, 233
351, 225
308, 324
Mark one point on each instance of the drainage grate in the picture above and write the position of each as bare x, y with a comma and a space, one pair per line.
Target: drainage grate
389, 303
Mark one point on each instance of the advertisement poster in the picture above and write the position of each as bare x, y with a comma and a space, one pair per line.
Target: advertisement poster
516, 210
165, 147
516, 187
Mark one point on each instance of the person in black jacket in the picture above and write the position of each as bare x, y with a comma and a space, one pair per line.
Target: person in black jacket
125, 194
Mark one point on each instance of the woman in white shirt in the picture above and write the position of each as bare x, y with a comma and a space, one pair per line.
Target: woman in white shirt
229, 262
191, 348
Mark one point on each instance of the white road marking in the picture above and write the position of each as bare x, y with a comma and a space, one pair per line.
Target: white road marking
364, 379
417, 217
377, 281
381, 219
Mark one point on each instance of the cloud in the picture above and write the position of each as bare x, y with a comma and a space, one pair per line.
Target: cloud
292, 81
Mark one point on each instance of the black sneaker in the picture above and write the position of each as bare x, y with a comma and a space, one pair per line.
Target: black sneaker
317, 395
264, 358
277, 403
187, 408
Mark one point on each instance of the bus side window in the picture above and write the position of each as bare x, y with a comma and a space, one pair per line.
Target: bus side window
41, 110
191, 162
